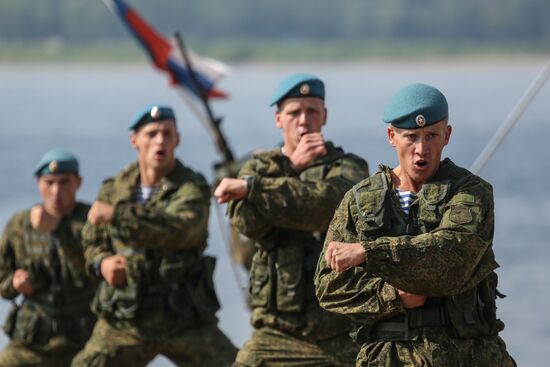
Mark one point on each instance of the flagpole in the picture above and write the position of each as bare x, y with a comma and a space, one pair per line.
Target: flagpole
215, 122
512, 118
223, 148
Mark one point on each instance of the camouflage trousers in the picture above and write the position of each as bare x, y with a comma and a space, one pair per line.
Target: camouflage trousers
199, 345
437, 350
271, 347
17, 354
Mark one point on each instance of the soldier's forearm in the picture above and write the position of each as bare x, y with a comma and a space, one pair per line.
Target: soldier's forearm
152, 227
358, 296
411, 263
294, 204
246, 218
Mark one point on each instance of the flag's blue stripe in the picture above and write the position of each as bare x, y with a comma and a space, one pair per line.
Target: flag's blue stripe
183, 77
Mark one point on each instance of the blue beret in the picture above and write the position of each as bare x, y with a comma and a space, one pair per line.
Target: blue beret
416, 105
299, 85
56, 161
152, 113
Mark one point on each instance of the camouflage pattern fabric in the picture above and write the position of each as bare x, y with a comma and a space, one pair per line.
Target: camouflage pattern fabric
443, 250
18, 354
436, 348
53, 323
200, 345
272, 347
286, 213
169, 286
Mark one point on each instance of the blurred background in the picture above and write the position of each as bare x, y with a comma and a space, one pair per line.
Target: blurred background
247, 29
72, 76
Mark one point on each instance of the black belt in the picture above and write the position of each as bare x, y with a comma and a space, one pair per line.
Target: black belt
406, 327
432, 315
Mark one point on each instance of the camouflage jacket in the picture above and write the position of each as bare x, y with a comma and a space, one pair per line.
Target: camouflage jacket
168, 278
60, 304
442, 249
287, 213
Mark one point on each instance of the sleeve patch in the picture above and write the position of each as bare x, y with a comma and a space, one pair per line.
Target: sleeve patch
460, 214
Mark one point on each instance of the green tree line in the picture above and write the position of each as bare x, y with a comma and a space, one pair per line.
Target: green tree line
505, 22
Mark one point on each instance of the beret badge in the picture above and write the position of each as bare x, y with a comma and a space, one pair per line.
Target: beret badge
155, 112
420, 120
53, 166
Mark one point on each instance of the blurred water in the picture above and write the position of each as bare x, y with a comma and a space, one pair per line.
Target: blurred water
87, 109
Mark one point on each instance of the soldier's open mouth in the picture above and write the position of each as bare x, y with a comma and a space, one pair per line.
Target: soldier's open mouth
420, 163
160, 154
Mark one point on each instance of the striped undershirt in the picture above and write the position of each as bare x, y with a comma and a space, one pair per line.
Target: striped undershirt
143, 193
406, 198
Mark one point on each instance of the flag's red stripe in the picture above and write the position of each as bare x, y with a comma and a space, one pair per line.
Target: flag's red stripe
158, 47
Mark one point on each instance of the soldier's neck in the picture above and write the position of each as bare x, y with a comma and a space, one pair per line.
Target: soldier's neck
151, 176
60, 212
403, 181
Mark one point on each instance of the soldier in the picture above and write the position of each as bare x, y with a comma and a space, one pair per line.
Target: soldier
144, 239
41, 260
284, 200
409, 255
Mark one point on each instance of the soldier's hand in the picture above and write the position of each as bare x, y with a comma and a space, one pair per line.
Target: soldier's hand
230, 189
341, 256
113, 270
22, 282
100, 213
310, 147
411, 300
42, 220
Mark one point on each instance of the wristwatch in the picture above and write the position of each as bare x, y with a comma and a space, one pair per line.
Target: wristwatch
97, 267
249, 182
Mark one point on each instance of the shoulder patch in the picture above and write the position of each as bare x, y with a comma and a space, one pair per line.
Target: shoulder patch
460, 214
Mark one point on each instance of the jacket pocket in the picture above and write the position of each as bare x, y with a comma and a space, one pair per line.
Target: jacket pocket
464, 314
259, 288
431, 203
290, 282
11, 319
371, 206
27, 326
120, 303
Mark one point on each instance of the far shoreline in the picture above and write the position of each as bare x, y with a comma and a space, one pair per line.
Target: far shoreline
140, 61
242, 52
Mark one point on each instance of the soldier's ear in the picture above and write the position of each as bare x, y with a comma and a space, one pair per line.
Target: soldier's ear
391, 136
326, 114
448, 131
133, 139
278, 121
78, 182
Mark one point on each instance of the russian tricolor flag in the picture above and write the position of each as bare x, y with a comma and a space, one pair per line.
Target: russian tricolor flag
166, 57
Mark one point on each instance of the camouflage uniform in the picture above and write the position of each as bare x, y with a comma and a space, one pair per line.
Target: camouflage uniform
168, 304
50, 326
287, 213
442, 249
